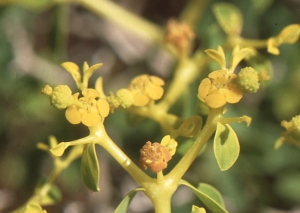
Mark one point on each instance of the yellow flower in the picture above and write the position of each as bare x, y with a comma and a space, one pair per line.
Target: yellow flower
89, 109
146, 88
170, 143
155, 156
218, 89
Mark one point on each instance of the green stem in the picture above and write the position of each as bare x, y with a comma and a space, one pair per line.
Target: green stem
105, 141
133, 23
209, 128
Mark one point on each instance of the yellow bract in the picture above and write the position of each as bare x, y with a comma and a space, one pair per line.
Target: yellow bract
146, 88
218, 89
87, 109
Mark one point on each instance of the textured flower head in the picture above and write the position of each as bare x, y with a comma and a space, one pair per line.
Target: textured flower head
60, 96
146, 88
292, 133
89, 109
180, 35
219, 89
155, 156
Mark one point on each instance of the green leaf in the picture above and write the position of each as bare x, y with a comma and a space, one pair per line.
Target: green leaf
90, 169
190, 127
210, 196
229, 17
260, 6
123, 206
226, 146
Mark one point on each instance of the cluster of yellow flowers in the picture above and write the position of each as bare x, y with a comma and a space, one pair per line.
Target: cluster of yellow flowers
224, 86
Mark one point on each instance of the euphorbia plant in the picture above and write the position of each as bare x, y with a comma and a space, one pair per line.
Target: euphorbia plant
147, 96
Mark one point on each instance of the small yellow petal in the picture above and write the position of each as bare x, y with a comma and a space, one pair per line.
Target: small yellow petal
155, 92
165, 141
140, 100
233, 95
215, 100
103, 107
204, 88
90, 93
90, 119
156, 80
217, 74
73, 115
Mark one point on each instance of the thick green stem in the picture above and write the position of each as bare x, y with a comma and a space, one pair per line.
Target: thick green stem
105, 141
189, 157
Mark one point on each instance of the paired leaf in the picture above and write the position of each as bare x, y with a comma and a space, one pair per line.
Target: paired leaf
226, 146
218, 56
88, 72
73, 69
190, 127
90, 169
210, 196
123, 206
229, 17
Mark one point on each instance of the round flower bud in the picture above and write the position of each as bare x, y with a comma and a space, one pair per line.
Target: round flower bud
61, 96
248, 80
124, 97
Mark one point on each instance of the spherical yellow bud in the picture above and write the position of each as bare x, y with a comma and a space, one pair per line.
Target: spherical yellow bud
124, 97
248, 80
61, 96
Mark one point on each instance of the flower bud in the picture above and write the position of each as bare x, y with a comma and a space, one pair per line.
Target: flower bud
61, 96
124, 97
248, 80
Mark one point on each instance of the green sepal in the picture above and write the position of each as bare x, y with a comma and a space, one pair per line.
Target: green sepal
123, 206
229, 17
209, 195
190, 127
90, 169
226, 146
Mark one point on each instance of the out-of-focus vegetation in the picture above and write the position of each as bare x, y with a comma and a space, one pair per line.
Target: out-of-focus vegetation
35, 40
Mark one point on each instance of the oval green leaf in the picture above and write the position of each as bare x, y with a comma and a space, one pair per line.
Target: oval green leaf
210, 196
90, 169
123, 206
226, 146
229, 17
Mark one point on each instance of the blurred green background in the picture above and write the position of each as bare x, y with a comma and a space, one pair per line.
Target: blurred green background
36, 38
